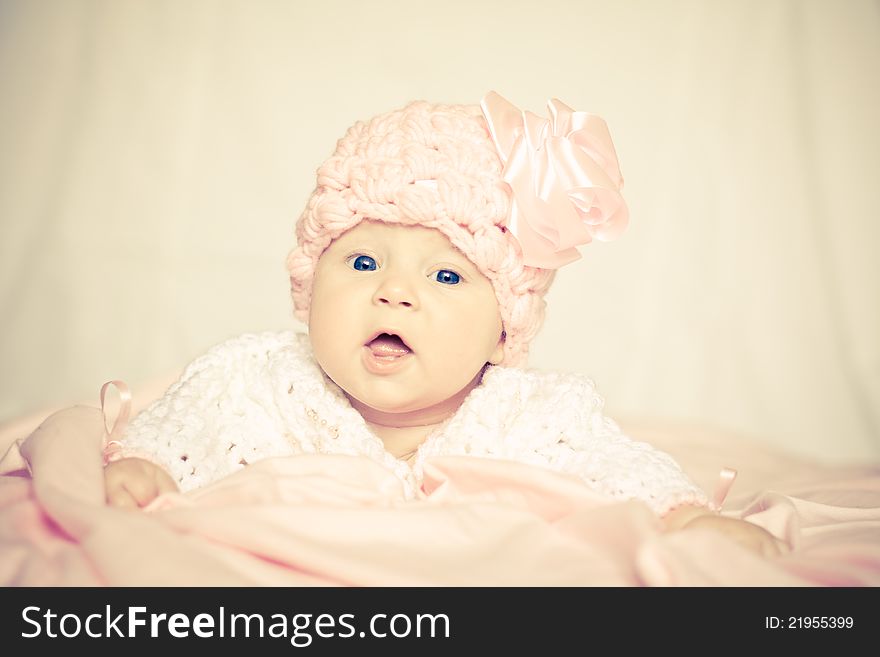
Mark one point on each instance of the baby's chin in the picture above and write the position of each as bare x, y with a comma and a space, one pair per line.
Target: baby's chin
387, 405
401, 409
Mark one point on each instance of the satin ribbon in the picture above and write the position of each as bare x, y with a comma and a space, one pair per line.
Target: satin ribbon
112, 436
725, 480
565, 178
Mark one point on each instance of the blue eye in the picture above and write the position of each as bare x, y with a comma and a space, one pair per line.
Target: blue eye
364, 263
448, 277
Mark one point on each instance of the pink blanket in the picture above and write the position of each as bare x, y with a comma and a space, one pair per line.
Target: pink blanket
338, 520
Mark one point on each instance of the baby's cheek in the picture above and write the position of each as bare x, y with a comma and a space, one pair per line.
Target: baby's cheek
456, 367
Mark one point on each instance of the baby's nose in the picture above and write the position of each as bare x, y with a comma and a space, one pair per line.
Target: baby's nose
395, 291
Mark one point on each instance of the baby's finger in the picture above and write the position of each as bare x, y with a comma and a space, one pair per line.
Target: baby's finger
143, 490
119, 497
164, 483
776, 547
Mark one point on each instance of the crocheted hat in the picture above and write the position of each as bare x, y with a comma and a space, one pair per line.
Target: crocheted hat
513, 192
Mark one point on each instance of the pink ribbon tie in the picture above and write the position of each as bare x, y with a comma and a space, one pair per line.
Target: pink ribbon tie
112, 436
725, 480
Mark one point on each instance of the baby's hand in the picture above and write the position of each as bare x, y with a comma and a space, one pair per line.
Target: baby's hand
750, 536
134, 483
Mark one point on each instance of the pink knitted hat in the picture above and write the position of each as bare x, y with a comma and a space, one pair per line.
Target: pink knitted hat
499, 183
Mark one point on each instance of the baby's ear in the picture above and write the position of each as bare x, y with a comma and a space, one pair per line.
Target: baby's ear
498, 354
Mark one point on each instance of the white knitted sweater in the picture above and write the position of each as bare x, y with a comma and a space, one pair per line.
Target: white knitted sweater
263, 395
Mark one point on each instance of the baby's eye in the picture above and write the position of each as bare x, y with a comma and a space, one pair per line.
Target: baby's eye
363, 263
446, 276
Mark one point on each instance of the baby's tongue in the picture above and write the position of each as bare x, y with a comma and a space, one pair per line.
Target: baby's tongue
388, 345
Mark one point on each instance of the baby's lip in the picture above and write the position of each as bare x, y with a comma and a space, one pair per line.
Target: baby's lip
388, 331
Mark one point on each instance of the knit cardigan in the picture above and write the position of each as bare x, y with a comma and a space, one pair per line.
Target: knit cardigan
264, 395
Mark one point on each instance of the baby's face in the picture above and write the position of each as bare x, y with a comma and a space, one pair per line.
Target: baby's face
400, 319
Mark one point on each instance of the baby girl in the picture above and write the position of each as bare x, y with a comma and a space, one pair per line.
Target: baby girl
422, 261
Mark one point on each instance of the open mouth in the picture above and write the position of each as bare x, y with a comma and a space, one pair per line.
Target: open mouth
388, 346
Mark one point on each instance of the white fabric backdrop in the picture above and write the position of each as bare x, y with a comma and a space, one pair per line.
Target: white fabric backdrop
155, 156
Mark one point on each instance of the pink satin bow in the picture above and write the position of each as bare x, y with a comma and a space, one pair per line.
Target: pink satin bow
564, 176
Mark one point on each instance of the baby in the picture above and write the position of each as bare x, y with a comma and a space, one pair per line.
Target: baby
421, 264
